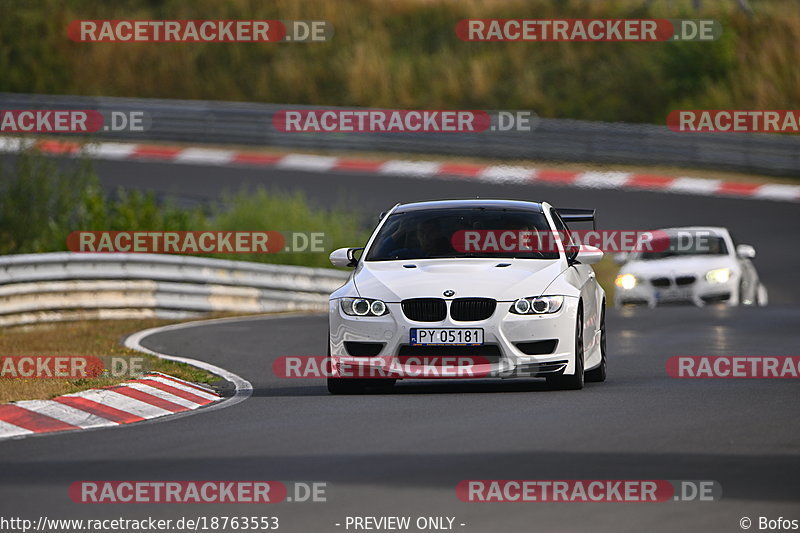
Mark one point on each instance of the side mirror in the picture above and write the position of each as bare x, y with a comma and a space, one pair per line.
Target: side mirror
745, 251
621, 258
589, 255
344, 257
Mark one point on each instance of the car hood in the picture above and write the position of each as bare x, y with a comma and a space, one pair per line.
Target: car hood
393, 282
696, 265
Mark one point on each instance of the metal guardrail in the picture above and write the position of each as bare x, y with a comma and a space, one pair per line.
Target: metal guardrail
69, 286
552, 139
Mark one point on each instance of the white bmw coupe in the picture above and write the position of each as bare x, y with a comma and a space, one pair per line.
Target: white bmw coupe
418, 301
694, 265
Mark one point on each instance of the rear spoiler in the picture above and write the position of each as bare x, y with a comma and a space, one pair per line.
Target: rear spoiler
572, 214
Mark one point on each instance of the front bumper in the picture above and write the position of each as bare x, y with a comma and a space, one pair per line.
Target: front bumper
384, 343
699, 293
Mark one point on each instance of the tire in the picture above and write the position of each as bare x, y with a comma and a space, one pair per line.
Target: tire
598, 375
761, 296
741, 300
573, 381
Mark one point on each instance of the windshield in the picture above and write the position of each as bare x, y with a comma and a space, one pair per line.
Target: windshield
433, 234
686, 245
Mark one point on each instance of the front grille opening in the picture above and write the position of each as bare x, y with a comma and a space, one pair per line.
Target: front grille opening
489, 352
661, 282
538, 347
425, 309
685, 280
634, 301
472, 309
724, 297
363, 349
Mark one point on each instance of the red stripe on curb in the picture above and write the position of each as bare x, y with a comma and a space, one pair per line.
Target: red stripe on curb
99, 409
180, 393
460, 169
358, 165
32, 421
58, 147
732, 187
149, 399
145, 151
556, 176
246, 158
648, 181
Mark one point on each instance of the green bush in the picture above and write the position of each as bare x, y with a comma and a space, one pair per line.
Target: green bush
262, 210
41, 204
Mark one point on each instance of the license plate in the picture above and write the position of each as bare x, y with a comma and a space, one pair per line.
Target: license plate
447, 337
672, 295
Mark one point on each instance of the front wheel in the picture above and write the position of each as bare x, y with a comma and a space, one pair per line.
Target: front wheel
574, 381
761, 296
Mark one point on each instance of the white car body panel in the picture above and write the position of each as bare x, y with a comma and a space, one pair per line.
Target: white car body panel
396, 283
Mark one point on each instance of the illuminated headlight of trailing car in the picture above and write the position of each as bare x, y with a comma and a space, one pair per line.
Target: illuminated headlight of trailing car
626, 281
718, 275
537, 306
363, 307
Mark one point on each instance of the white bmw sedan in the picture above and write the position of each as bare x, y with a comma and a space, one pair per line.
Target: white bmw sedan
418, 300
694, 265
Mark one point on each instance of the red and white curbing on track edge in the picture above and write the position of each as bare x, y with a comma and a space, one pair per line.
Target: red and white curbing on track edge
418, 169
154, 395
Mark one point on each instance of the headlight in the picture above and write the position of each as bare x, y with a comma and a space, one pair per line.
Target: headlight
363, 307
718, 275
626, 281
537, 306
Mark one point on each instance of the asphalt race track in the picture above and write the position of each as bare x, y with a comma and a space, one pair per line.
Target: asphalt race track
403, 453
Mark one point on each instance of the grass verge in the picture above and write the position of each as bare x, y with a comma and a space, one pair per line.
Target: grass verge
85, 338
